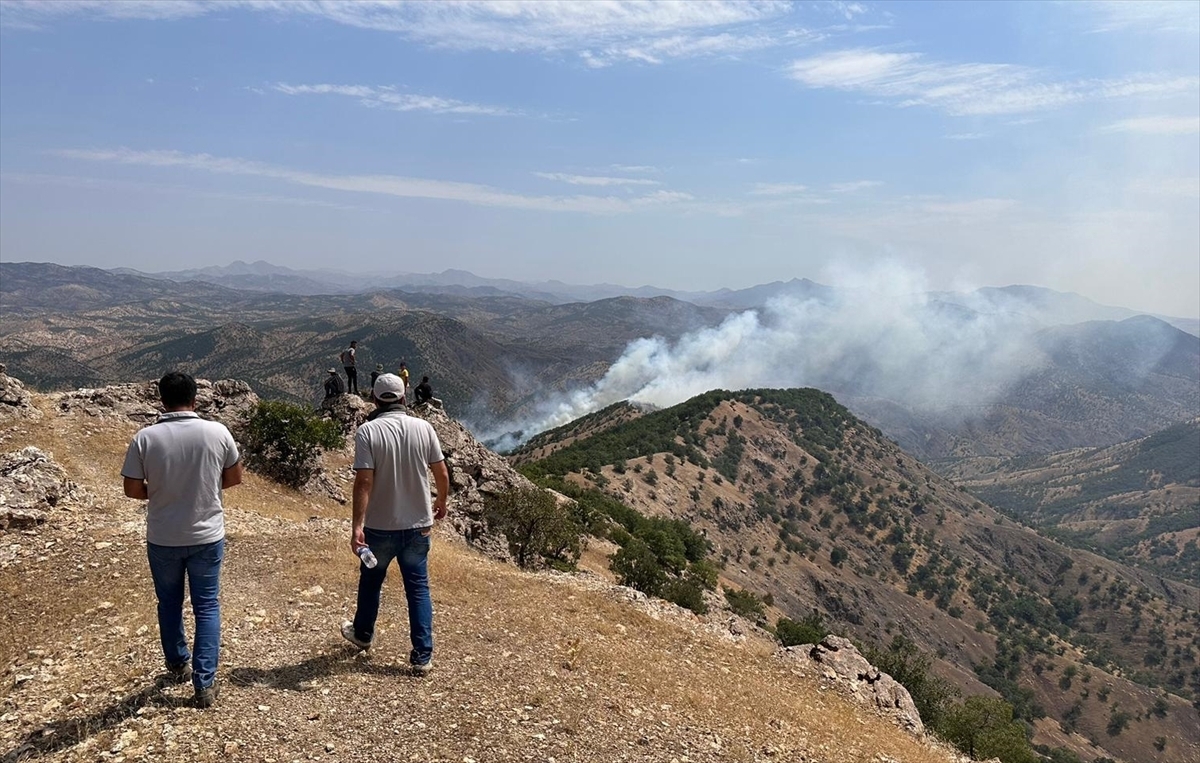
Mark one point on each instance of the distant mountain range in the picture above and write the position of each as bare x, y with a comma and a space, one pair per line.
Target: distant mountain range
1042, 306
502, 360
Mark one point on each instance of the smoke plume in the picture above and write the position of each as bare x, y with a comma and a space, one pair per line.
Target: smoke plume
879, 334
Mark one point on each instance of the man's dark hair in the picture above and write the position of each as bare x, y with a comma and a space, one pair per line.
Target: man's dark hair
424, 379
176, 389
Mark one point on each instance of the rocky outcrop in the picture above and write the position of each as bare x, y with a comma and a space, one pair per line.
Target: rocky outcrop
31, 486
228, 401
349, 411
15, 402
475, 473
836, 659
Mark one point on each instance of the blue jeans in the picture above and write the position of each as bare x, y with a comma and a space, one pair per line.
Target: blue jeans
410, 549
202, 564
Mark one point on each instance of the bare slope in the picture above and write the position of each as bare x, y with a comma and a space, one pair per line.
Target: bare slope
528, 666
811, 506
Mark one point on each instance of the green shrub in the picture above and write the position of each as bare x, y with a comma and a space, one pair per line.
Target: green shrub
636, 566
536, 527
983, 727
687, 592
746, 604
284, 441
809, 630
906, 663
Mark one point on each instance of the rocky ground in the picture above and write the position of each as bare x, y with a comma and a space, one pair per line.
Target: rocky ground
544, 667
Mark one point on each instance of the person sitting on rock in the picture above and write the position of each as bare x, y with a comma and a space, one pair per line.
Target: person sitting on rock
424, 392
375, 374
333, 384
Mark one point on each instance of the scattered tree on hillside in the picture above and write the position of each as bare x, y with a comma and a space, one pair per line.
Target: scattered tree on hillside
536, 527
283, 441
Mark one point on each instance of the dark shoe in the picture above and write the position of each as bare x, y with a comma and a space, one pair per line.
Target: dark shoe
181, 673
206, 697
349, 635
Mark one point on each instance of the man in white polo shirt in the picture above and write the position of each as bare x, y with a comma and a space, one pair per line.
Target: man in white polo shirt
394, 514
180, 464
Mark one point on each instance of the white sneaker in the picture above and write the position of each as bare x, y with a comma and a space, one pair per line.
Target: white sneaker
348, 634
422, 669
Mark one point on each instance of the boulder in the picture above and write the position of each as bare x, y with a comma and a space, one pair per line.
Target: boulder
31, 486
227, 400
349, 411
15, 402
840, 662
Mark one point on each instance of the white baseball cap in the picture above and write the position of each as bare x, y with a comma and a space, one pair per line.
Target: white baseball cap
388, 388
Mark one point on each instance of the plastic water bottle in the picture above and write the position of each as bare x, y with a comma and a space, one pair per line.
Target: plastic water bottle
368, 558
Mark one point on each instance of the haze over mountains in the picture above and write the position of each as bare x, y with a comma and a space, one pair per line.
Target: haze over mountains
997, 371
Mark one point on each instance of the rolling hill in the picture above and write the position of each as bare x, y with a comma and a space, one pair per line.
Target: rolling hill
808, 508
1137, 501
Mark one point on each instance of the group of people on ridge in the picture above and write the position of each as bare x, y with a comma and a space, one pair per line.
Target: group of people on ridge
423, 393
181, 463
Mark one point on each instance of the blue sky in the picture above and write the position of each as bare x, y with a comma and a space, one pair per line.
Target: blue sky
686, 145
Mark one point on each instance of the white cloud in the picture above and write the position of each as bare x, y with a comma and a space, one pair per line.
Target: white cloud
387, 185
1157, 125
639, 168
108, 184
967, 136
391, 98
855, 185
593, 180
601, 32
655, 51
664, 197
777, 189
1142, 15
909, 79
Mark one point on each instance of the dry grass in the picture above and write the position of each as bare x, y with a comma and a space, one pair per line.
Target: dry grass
529, 667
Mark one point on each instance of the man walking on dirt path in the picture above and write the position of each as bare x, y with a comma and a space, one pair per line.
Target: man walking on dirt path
180, 464
350, 363
394, 515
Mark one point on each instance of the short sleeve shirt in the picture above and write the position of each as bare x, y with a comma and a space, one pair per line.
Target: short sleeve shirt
182, 458
399, 448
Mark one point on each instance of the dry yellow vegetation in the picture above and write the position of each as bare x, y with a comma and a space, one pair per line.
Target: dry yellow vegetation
543, 667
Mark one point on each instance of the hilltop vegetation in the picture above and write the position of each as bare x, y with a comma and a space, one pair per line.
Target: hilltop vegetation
806, 508
1137, 501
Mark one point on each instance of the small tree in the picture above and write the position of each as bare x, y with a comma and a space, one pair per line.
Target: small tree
284, 441
536, 527
904, 661
983, 727
636, 566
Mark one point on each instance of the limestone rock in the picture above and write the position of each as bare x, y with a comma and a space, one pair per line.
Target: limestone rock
31, 486
349, 411
227, 400
15, 402
322, 485
839, 661
475, 473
